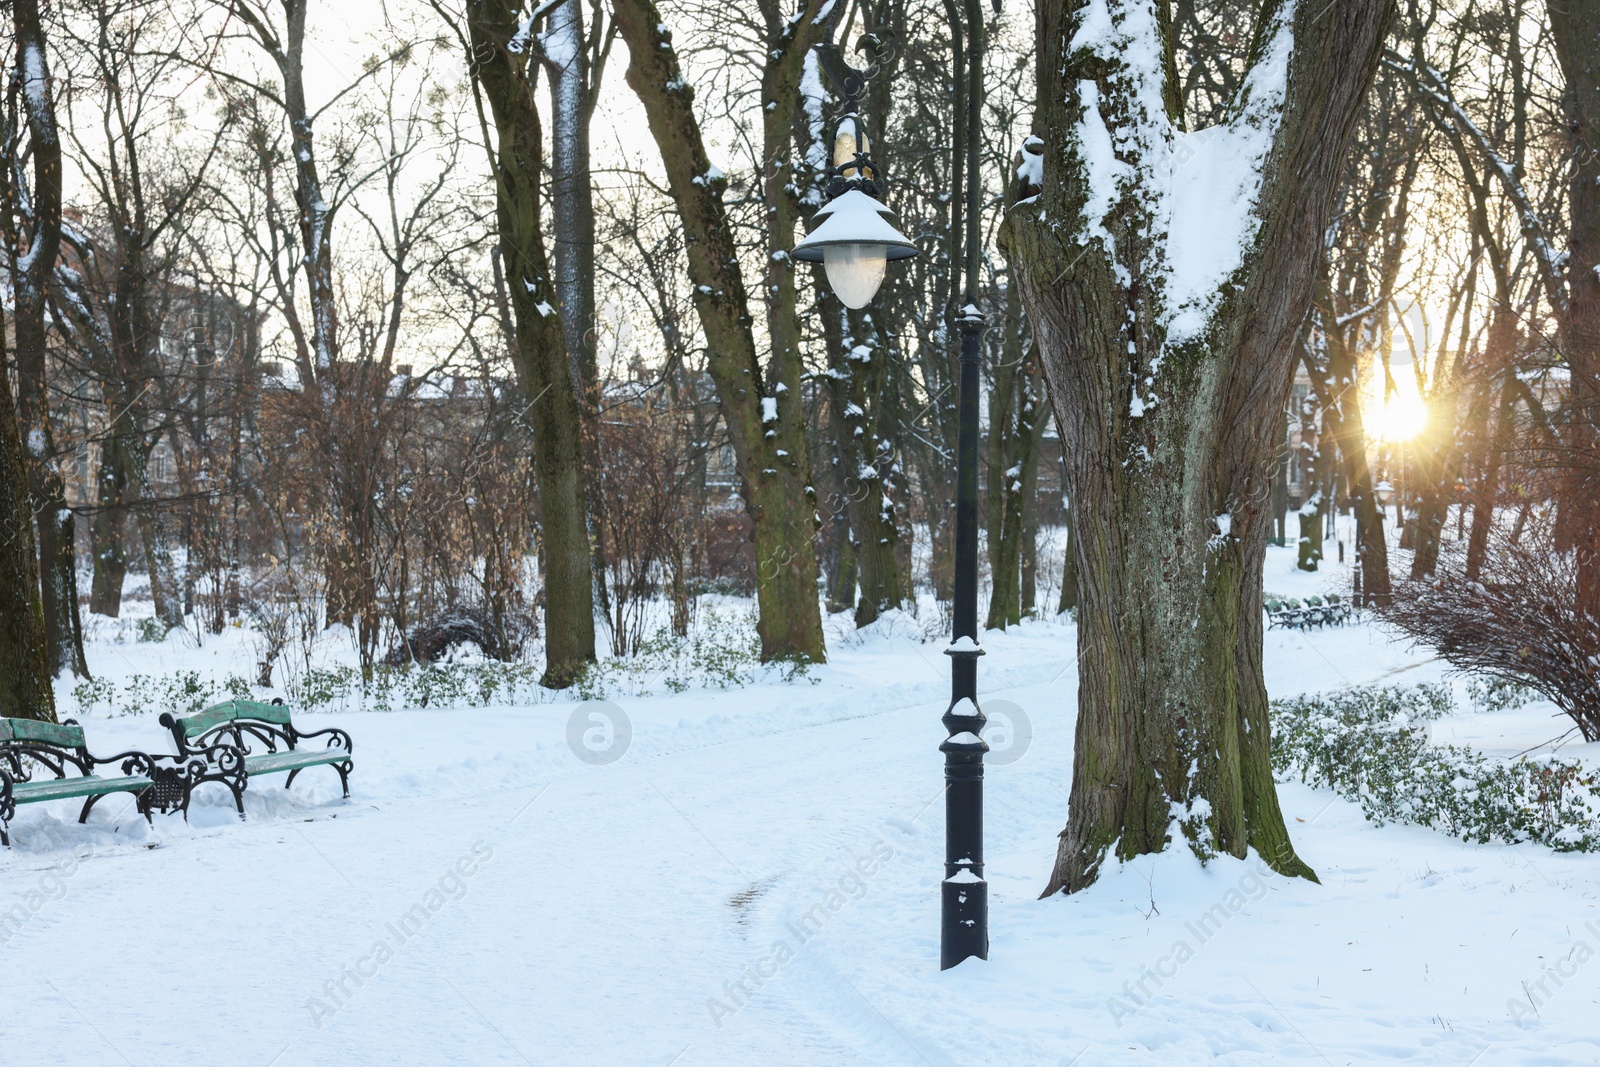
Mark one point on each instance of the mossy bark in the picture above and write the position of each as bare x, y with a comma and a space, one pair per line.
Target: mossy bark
1171, 494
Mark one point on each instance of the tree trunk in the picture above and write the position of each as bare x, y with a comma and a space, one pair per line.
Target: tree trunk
858, 375
25, 689
1486, 492
761, 407
1280, 489
1069, 571
108, 531
1575, 28
574, 89
839, 562
34, 231
1008, 438
540, 356
1169, 423
1038, 419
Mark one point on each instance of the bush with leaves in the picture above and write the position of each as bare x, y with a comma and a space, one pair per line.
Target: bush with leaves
1499, 694
1371, 745
181, 692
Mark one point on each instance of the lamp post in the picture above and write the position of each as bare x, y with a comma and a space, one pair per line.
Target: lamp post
855, 241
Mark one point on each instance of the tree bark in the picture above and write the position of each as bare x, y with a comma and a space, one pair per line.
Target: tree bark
1038, 419
33, 229
1575, 29
505, 79
1170, 434
761, 407
857, 377
1008, 438
25, 689
574, 91
107, 531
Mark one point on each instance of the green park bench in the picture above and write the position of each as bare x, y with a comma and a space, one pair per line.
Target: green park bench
42, 761
264, 736
1316, 611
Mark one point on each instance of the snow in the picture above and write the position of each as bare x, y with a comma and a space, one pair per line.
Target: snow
1200, 188
769, 409
1031, 168
756, 880
855, 217
1106, 173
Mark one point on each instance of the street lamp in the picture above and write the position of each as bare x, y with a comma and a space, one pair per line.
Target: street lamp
855, 241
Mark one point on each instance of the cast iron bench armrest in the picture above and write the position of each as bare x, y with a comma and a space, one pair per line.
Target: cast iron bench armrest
339, 738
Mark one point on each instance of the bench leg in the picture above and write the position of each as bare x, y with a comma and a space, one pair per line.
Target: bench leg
236, 788
288, 783
83, 816
344, 776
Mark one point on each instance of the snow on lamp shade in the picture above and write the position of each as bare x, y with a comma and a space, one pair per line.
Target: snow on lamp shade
854, 241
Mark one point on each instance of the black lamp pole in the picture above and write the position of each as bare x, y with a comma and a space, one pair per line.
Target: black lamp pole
964, 925
964, 929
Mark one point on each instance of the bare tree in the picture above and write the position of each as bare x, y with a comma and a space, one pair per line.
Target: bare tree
30, 221
761, 405
496, 38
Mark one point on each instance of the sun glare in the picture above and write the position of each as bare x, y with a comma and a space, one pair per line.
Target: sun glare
1403, 415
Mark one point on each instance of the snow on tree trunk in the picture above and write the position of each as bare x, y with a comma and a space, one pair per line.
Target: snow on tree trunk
33, 229
540, 354
565, 52
1166, 275
762, 406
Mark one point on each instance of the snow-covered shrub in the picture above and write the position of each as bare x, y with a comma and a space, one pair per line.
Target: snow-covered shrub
1499, 694
434, 685
723, 652
1371, 745
181, 692
150, 630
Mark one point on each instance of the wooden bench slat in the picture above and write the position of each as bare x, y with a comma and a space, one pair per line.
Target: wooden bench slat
47, 733
288, 761
228, 711
83, 786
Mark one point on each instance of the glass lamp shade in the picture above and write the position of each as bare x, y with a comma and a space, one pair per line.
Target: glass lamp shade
853, 241
855, 271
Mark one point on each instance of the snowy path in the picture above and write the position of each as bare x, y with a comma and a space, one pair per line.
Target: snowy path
613, 913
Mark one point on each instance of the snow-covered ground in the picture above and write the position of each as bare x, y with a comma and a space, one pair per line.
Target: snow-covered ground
755, 881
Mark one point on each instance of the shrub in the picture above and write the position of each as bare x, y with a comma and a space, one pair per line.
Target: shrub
1371, 745
724, 652
1515, 617
181, 692
150, 630
1498, 694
